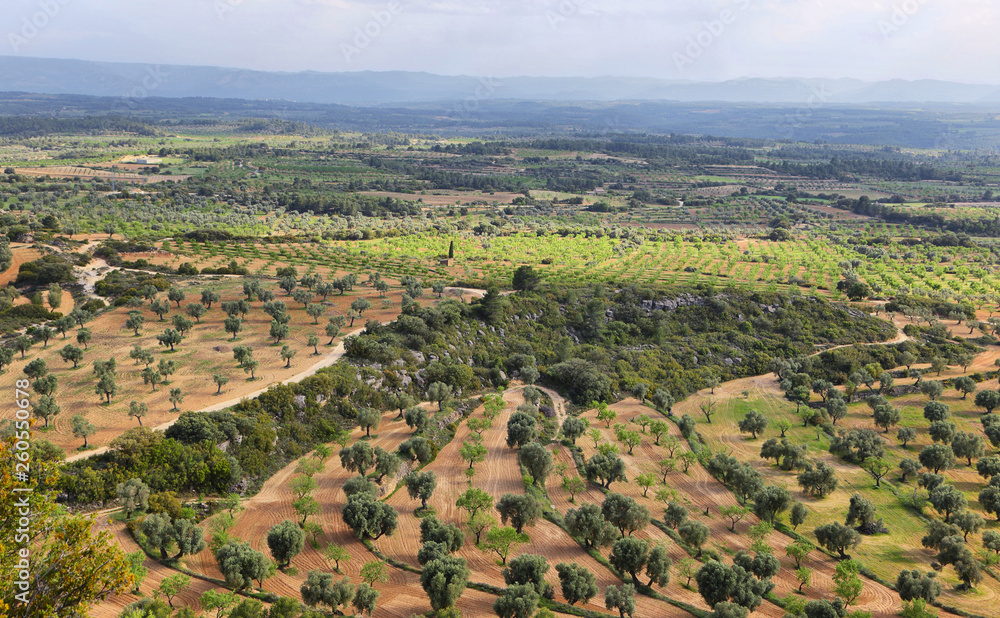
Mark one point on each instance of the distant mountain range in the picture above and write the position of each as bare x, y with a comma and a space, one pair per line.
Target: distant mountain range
137, 81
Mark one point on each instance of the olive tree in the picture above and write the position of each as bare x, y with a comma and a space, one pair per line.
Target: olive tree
444, 580
421, 485
519, 510
577, 583
285, 540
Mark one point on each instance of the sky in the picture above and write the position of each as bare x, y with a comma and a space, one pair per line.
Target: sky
703, 40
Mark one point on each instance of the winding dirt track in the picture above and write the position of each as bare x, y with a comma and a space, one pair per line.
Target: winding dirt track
326, 360
900, 337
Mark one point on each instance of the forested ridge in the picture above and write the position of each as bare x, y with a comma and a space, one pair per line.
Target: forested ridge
597, 344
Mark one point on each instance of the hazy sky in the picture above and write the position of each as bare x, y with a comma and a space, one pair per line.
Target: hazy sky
686, 39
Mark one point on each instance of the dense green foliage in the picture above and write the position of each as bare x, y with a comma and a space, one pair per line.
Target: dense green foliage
674, 340
46, 270
271, 430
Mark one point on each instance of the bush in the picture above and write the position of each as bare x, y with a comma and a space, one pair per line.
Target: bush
49, 269
119, 283
25, 315
94, 305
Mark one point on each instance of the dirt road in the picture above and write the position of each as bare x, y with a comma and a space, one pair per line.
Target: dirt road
326, 361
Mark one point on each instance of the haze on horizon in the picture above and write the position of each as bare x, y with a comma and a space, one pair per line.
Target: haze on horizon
702, 40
